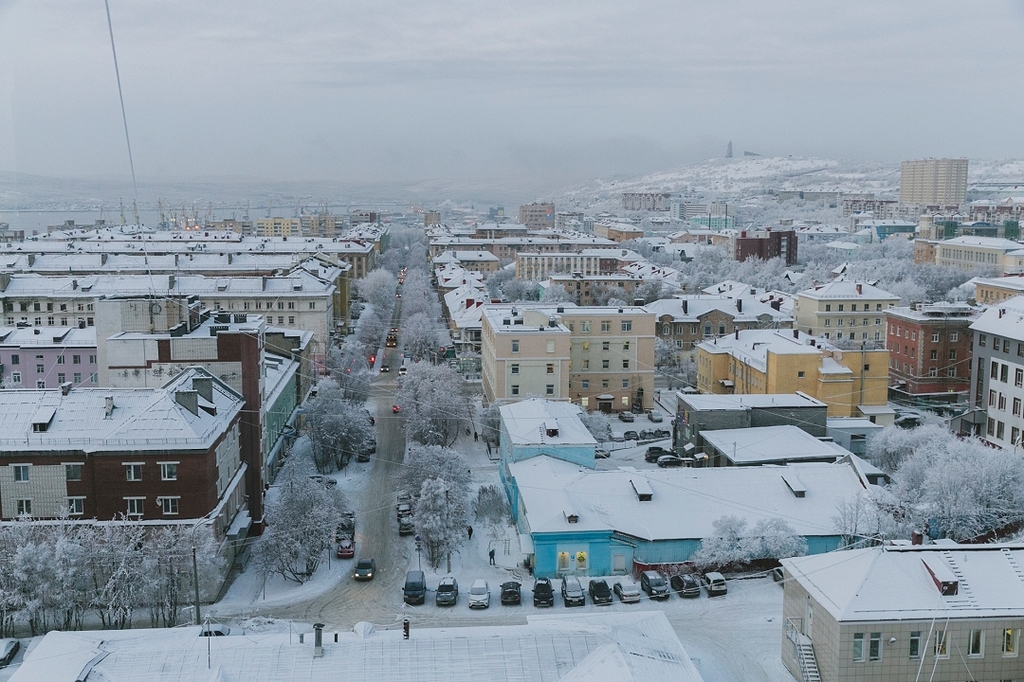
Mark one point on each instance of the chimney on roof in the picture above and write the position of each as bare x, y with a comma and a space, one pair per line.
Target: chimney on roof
188, 399
65, 388
739, 305
736, 333
108, 406
318, 640
860, 289
1002, 311
74, 284
796, 333
684, 307
203, 386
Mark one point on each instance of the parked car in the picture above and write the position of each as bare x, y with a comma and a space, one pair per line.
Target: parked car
447, 592
572, 591
631, 435
543, 595
655, 416
325, 481
479, 595
662, 433
626, 590
599, 592
654, 585
366, 451
601, 453
685, 585
346, 548
654, 452
406, 526
404, 509
648, 434
626, 416
714, 583
670, 461
8, 650
365, 568
511, 593
405, 497
395, 409
415, 589
215, 630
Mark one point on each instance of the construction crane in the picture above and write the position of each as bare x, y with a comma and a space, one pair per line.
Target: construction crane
124, 221
135, 214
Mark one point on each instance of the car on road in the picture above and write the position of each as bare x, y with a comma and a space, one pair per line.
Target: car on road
685, 585
406, 526
395, 409
511, 593
654, 452
626, 416
599, 592
714, 583
215, 630
572, 591
601, 453
479, 595
325, 481
655, 416
631, 435
346, 548
366, 451
654, 585
404, 509
670, 461
626, 590
385, 367
365, 568
8, 650
543, 594
447, 592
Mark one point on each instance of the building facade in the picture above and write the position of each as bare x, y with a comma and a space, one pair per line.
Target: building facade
933, 181
839, 310
587, 262
685, 321
1003, 256
765, 245
997, 373
537, 215
47, 357
930, 351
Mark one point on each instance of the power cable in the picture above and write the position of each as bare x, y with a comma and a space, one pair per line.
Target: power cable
120, 94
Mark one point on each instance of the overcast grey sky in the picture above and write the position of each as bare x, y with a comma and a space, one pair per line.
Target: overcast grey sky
473, 89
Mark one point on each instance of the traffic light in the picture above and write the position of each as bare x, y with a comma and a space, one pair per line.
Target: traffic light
373, 359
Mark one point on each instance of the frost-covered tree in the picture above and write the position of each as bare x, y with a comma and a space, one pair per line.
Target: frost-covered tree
350, 371
725, 545
434, 404
379, 288
861, 520
424, 462
440, 522
420, 336
556, 293
491, 505
598, 424
490, 423
651, 291
889, 447
773, 538
664, 353
337, 429
169, 563
119, 576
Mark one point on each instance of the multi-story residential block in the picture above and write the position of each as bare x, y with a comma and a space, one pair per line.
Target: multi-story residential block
826, 197
930, 351
599, 357
933, 181
618, 232
854, 311
997, 212
478, 261
506, 247
322, 225
767, 361
981, 253
153, 453
880, 209
431, 218
537, 215
997, 373
925, 251
540, 266
47, 357
989, 290
278, 227
905, 612
586, 288
646, 201
685, 321
765, 245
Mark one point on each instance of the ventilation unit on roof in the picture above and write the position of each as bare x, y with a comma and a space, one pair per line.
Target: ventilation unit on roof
942, 576
551, 428
643, 490
795, 485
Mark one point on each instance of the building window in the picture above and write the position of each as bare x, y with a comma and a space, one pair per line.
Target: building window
586, 363
515, 346
585, 326
16, 377
76, 359
1016, 407
515, 368
41, 383
940, 644
550, 369
976, 643
291, 319
168, 471
15, 359
606, 325
875, 647
878, 336
24, 507
625, 364
515, 389
551, 346
707, 330
625, 346
828, 322
1000, 430
1002, 402
915, 644
627, 325
828, 307
20, 472
1011, 641
549, 389
280, 319
990, 427
585, 383
606, 346
954, 336
135, 505
40, 369
605, 364
169, 506
933, 372
981, 340
994, 373
77, 377
625, 383
604, 383
858, 647
60, 359
94, 378
133, 472
841, 307
73, 472
934, 355
291, 305
800, 374
1004, 372
61, 377
312, 305
76, 506
935, 337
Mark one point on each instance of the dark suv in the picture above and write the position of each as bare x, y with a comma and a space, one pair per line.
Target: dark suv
654, 585
600, 592
543, 595
656, 451
685, 585
447, 592
510, 593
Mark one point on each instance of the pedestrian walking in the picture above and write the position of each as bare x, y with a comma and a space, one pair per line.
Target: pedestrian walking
491, 555
469, 529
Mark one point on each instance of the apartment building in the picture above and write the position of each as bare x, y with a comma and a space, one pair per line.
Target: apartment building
646, 201
997, 372
506, 247
478, 261
278, 227
989, 290
930, 351
618, 232
851, 383
854, 311
537, 215
979, 253
905, 612
47, 357
586, 288
765, 245
933, 181
540, 266
598, 357
685, 321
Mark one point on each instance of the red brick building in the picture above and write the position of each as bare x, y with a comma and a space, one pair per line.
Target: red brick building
764, 245
930, 351
167, 453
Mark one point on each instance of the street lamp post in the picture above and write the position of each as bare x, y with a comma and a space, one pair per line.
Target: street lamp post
195, 564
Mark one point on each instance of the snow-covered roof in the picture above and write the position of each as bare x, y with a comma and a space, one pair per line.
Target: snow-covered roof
711, 401
686, 501
1005, 318
142, 419
847, 289
732, 288
784, 443
697, 306
528, 422
752, 345
996, 243
1013, 282
56, 337
297, 284
625, 647
897, 583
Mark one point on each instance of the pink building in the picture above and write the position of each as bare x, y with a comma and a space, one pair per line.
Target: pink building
46, 357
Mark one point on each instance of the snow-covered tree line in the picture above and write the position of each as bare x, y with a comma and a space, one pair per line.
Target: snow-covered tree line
56, 574
441, 476
338, 428
733, 544
435, 407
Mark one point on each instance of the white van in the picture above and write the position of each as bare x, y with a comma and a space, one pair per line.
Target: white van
404, 368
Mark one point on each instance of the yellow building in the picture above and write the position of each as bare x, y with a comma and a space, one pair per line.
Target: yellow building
843, 310
990, 290
971, 253
278, 227
599, 357
770, 361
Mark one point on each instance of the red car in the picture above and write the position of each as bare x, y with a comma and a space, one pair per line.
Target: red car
346, 548
394, 409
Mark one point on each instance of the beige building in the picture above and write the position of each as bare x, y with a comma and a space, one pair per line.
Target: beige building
933, 181
618, 232
587, 262
971, 253
600, 357
843, 310
278, 227
537, 215
909, 612
768, 361
990, 290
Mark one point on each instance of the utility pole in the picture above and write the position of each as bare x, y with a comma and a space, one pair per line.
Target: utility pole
195, 577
